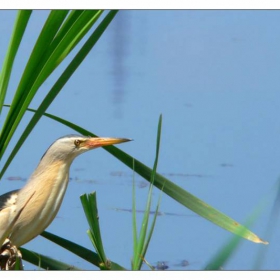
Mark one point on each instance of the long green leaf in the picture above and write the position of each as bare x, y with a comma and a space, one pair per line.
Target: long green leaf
224, 254
65, 76
78, 250
141, 247
53, 55
17, 34
45, 262
134, 220
31, 71
180, 195
151, 228
90, 208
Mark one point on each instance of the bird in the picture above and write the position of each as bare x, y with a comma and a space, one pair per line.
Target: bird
27, 212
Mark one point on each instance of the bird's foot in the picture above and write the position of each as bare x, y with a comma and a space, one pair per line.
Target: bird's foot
10, 256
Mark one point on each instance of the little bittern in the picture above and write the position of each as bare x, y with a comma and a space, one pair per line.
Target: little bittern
27, 212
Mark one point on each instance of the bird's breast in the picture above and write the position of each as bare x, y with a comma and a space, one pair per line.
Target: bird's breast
49, 185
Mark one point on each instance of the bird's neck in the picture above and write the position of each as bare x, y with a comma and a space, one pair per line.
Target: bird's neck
49, 180
52, 172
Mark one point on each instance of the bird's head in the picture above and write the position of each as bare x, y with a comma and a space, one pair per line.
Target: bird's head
68, 147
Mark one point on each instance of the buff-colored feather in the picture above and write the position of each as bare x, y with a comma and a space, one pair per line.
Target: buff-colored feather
24, 214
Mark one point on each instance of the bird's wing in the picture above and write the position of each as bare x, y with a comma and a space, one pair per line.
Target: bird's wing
4, 198
9, 213
7, 208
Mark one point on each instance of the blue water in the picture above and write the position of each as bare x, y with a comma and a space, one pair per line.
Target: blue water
214, 75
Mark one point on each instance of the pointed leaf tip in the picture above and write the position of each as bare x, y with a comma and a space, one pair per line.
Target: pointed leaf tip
264, 242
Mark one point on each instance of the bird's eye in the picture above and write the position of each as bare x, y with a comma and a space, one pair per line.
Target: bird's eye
77, 143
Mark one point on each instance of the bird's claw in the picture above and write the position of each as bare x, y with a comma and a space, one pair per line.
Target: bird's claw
9, 254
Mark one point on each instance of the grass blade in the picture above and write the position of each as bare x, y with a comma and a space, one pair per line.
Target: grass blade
31, 71
90, 209
134, 220
152, 228
45, 262
17, 34
141, 244
49, 56
78, 250
224, 254
179, 194
65, 76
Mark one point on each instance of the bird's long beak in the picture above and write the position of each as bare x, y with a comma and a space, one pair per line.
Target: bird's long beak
96, 142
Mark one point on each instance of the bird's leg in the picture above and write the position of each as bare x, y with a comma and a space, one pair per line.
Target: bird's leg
9, 254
